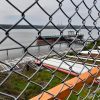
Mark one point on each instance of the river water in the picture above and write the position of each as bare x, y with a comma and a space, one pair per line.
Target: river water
26, 36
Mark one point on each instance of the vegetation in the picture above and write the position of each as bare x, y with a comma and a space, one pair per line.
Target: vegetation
16, 83
91, 44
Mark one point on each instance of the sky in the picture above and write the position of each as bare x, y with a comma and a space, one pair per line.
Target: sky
9, 15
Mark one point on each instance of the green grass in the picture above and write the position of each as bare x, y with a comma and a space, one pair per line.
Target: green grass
16, 83
91, 44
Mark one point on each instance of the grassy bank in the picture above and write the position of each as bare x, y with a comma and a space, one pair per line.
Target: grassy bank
91, 44
16, 83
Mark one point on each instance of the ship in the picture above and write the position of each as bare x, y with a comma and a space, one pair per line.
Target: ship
41, 40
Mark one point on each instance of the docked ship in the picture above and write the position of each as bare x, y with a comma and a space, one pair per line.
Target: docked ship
42, 40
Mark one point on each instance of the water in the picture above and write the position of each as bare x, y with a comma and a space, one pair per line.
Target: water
27, 36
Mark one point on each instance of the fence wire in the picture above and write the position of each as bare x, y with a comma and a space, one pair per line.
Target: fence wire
30, 74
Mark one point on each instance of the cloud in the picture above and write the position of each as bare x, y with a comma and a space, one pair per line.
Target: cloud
35, 15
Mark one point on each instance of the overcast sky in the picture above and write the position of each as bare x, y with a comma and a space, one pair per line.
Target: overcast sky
9, 15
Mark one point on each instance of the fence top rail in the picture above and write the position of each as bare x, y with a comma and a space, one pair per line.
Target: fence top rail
47, 27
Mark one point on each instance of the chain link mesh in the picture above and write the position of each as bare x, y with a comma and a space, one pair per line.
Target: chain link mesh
22, 78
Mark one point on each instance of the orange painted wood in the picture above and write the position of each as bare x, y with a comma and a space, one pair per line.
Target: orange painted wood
76, 83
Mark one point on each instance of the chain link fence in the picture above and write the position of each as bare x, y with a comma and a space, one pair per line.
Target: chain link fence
61, 65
